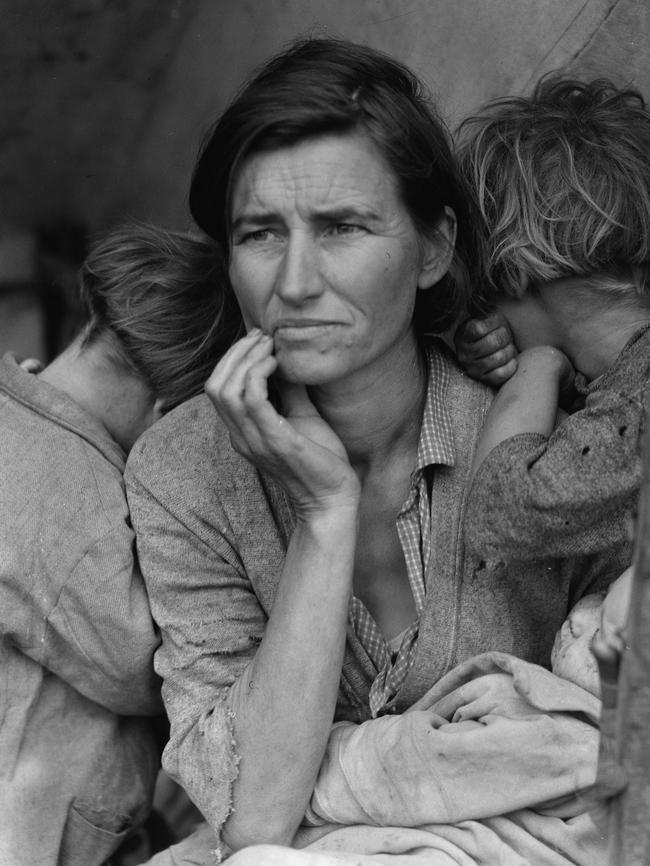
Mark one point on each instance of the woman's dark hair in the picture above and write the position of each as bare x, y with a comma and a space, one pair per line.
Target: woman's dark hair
322, 86
159, 300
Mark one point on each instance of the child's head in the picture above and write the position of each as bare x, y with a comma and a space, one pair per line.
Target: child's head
563, 183
599, 615
156, 299
571, 657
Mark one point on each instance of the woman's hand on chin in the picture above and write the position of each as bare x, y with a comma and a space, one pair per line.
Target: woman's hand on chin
298, 448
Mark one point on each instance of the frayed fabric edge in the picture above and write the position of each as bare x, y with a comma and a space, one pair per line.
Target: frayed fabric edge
222, 851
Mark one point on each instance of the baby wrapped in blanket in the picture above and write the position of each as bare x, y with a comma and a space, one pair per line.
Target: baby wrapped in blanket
495, 765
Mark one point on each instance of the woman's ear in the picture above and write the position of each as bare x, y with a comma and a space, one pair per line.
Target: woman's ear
438, 247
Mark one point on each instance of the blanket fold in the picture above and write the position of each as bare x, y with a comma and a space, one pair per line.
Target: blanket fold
494, 766
495, 735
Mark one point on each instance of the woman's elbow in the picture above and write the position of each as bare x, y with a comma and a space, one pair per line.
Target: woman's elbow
241, 831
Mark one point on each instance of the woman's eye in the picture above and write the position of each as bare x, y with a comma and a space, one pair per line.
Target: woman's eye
242, 235
346, 229
258, 236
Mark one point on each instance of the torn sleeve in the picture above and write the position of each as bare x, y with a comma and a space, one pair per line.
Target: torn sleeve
211, 623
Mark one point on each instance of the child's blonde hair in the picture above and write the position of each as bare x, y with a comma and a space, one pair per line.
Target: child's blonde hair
563, 184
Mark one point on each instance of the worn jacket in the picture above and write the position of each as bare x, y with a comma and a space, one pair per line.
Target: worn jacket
212, 534
78, 758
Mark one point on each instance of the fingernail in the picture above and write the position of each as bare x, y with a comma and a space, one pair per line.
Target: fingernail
254, 332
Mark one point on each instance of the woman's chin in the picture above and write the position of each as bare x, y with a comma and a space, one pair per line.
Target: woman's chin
305, 368
305, 377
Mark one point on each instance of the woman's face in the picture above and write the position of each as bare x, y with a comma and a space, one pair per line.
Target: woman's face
325, 257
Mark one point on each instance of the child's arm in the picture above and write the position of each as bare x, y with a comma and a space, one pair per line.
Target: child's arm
528, 401
567, 494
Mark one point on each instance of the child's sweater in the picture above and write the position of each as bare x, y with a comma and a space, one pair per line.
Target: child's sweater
575, 492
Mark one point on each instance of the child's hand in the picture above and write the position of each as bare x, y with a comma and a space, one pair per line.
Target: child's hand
31, 365
616, 610
486, 349
609, 643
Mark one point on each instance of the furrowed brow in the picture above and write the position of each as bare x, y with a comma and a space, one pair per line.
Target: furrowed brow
261, 218
347, 213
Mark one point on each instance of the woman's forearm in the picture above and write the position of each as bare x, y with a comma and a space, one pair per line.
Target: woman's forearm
283, 704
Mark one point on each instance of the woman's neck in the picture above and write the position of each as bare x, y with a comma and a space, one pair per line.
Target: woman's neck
378, 412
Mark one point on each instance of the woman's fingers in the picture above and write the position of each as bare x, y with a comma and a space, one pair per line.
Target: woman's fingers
298, 447
255, 391
232, 360
239, 392
227, 384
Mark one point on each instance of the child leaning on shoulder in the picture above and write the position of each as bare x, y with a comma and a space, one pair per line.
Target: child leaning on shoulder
563, 184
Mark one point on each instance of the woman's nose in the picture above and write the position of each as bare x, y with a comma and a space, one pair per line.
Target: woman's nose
298, 277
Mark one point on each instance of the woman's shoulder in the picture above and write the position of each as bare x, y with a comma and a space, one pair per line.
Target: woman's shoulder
190, 443
461, 387
183, 471
192, 426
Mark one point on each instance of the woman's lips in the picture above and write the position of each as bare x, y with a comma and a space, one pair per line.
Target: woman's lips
303, 329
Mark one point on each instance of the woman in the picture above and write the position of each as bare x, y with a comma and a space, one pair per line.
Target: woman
302, 549
77, 739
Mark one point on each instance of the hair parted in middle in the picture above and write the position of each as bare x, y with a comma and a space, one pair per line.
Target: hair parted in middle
158, 299
562, 180
325, 86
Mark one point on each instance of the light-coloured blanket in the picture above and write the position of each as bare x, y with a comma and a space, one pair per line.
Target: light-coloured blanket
494, 766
